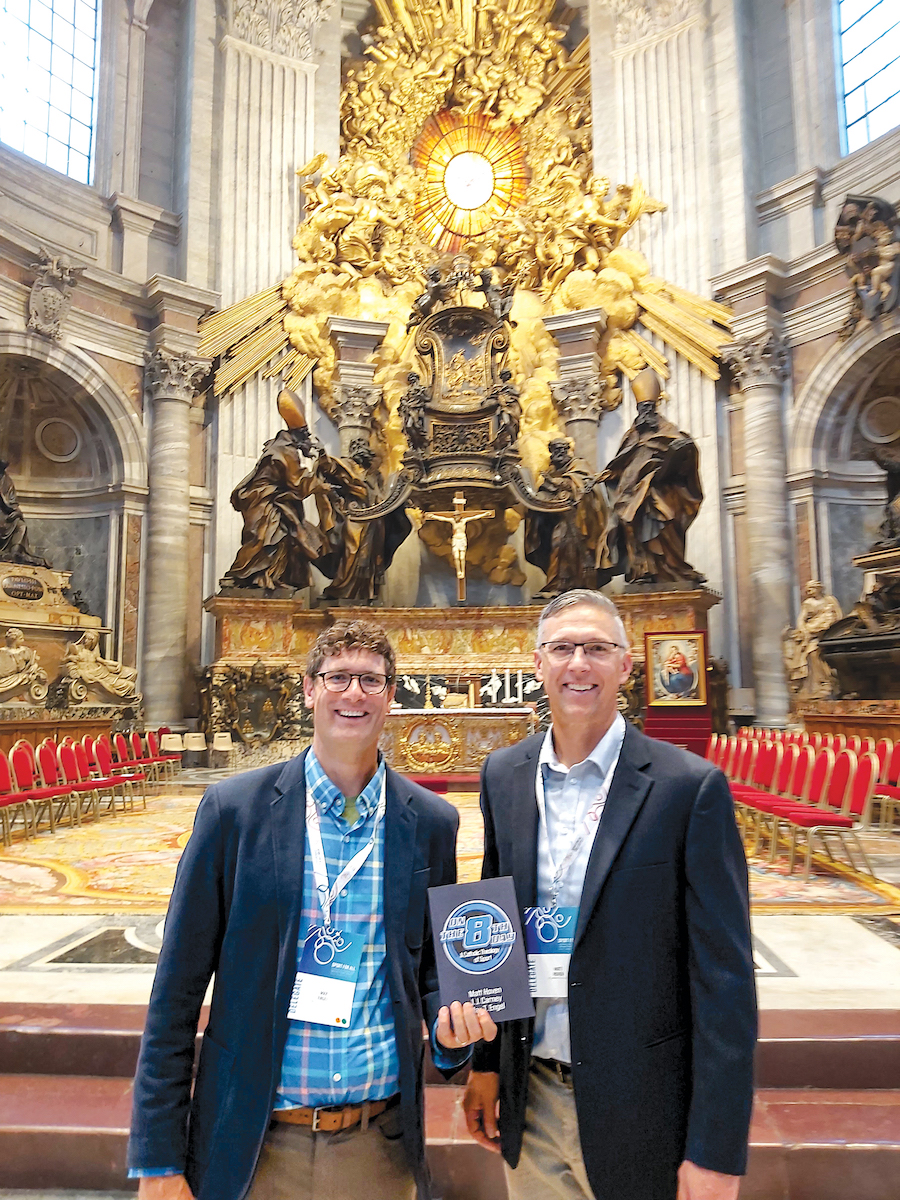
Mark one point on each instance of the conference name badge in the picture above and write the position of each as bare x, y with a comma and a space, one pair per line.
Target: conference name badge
549, 938
479, 947
326, 981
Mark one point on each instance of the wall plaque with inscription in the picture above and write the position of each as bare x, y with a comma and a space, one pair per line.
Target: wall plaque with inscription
22, 587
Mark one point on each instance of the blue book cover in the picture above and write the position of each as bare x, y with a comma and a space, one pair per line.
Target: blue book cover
479, 947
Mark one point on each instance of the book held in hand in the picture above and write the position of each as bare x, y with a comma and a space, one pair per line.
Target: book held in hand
479, 947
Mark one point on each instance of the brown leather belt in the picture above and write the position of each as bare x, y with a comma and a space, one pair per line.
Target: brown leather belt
330, 1120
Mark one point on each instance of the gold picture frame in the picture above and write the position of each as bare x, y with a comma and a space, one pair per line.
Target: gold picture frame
676, 669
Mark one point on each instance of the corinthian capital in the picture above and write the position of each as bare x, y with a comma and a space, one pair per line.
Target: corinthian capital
356, 403
638, 19
282, 26
579, 398
758, 362
170, 376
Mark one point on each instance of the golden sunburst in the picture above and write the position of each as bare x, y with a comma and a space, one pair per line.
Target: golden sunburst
473, 174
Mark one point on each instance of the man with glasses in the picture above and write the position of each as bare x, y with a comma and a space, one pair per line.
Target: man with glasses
303, 892
634, 1079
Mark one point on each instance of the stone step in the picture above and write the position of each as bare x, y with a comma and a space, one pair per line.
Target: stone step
822, 1049
806, 1144
821, 1144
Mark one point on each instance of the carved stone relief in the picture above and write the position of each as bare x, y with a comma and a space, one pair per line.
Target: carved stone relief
637, 19
51, 293
283, 26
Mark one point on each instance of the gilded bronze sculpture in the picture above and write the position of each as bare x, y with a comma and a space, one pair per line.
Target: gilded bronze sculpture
563, 543
459, 541
654, 491
361, 551
277, 543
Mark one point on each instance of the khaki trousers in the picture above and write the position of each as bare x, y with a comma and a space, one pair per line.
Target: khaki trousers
550, 1165
297, 1164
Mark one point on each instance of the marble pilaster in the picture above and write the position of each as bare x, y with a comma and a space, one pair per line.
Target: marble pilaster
265, 130
675, 123
171, 381
759, 365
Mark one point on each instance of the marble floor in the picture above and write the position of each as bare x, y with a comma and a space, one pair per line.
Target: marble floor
818, 961
826, 962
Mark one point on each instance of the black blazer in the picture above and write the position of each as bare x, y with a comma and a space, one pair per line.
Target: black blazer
662, 1002
235, 914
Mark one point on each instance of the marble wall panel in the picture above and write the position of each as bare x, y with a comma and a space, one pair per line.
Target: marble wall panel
852, 528
803, 549
744, 604
159, 115
194, 650
80, 545
132, 589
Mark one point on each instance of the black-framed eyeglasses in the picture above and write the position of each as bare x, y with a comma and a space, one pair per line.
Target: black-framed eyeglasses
597, 651
371, 682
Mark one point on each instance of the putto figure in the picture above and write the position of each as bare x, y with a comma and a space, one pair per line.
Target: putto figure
867, 233
654, 494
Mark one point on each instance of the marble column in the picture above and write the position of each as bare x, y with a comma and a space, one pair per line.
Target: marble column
171, 381
759, 365
355, 407
578, 394
355, 343
579, 401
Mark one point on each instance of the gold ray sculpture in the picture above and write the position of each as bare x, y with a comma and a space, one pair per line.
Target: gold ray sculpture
466, 128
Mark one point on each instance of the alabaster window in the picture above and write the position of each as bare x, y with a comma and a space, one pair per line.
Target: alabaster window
48, 81
870, 61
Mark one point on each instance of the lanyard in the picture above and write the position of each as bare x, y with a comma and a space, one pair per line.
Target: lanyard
588, 826
328, 895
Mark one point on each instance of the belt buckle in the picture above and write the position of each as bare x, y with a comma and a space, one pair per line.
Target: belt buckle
315, 1120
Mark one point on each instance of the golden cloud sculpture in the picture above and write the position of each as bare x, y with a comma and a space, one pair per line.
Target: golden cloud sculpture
465, 128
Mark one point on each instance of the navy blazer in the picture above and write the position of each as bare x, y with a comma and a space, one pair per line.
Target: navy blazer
235, 914
662, 1000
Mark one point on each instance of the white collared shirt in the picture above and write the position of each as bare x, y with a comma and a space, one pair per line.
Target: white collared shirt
568, 794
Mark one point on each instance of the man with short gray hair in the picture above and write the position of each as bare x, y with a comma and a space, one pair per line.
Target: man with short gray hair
634, 1079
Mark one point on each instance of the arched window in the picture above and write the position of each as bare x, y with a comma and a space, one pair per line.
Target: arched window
870, 64
48, 81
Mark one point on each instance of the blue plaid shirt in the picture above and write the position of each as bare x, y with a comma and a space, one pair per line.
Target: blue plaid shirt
324, 1065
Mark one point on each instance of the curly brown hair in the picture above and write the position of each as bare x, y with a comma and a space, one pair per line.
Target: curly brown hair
351, 635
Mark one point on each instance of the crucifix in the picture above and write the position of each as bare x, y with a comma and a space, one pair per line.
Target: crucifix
458, 519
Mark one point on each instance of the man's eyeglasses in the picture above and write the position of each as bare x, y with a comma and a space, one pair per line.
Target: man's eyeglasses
561, 652
371, 682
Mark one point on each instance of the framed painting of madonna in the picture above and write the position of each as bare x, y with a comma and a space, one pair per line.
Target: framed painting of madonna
676, 668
